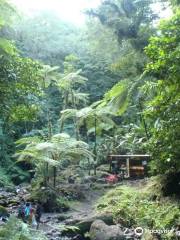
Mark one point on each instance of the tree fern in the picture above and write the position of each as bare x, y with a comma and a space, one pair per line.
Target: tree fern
61, 147
117, 98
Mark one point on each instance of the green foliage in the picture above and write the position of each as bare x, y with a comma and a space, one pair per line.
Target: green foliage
5, 180
104, 59
66, 229
53, 152
19, 82
6, 11
17, 230
6, 15
117, 98
127, 18
87, 116
57, 43
130, 63
24, 113
135, 207
53, 39
17, 174
163, 108
19, 90
63, 203
7, 47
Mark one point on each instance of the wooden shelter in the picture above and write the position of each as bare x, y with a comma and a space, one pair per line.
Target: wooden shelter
131, 165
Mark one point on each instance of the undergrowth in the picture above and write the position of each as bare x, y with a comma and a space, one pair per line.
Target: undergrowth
143, 207
15, 229
5, 180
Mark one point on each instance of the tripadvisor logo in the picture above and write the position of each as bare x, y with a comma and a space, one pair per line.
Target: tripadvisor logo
139, 231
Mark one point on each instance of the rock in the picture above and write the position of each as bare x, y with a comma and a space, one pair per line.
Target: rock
101, 180
78, 237
89, 179
57, 235
100, 231
3, 212
85, 224
3, 203
62, 217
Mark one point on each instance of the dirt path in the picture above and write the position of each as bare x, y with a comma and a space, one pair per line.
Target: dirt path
78, 212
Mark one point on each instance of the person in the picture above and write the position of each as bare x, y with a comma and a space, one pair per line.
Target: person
21, 209
38, 214
123, 170
33, 221
71, 180
27, 212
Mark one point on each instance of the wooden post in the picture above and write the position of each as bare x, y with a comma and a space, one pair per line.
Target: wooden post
128, 166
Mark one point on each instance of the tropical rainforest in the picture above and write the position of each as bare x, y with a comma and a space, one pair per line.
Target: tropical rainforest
73, 95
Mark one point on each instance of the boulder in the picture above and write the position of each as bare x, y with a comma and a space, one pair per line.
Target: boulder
61, 217
101, 231
83, 225
3, 211
101, 180
88, 179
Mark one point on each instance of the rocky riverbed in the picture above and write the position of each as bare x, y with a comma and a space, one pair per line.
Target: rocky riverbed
79, 223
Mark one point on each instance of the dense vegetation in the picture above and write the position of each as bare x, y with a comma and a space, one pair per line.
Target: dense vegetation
70, 96
142, 207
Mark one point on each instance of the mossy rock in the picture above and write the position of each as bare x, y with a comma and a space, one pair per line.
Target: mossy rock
14, 201
50, 200
85, 224
62, 217
3, 211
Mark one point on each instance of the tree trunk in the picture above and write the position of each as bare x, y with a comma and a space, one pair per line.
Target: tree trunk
76, 129
143, 121
46, 172
54, 176
49, 136
95, 143
64, 107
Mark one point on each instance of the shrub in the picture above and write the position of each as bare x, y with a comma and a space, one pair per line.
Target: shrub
134, 207
15, 229
4, 178
63, 203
